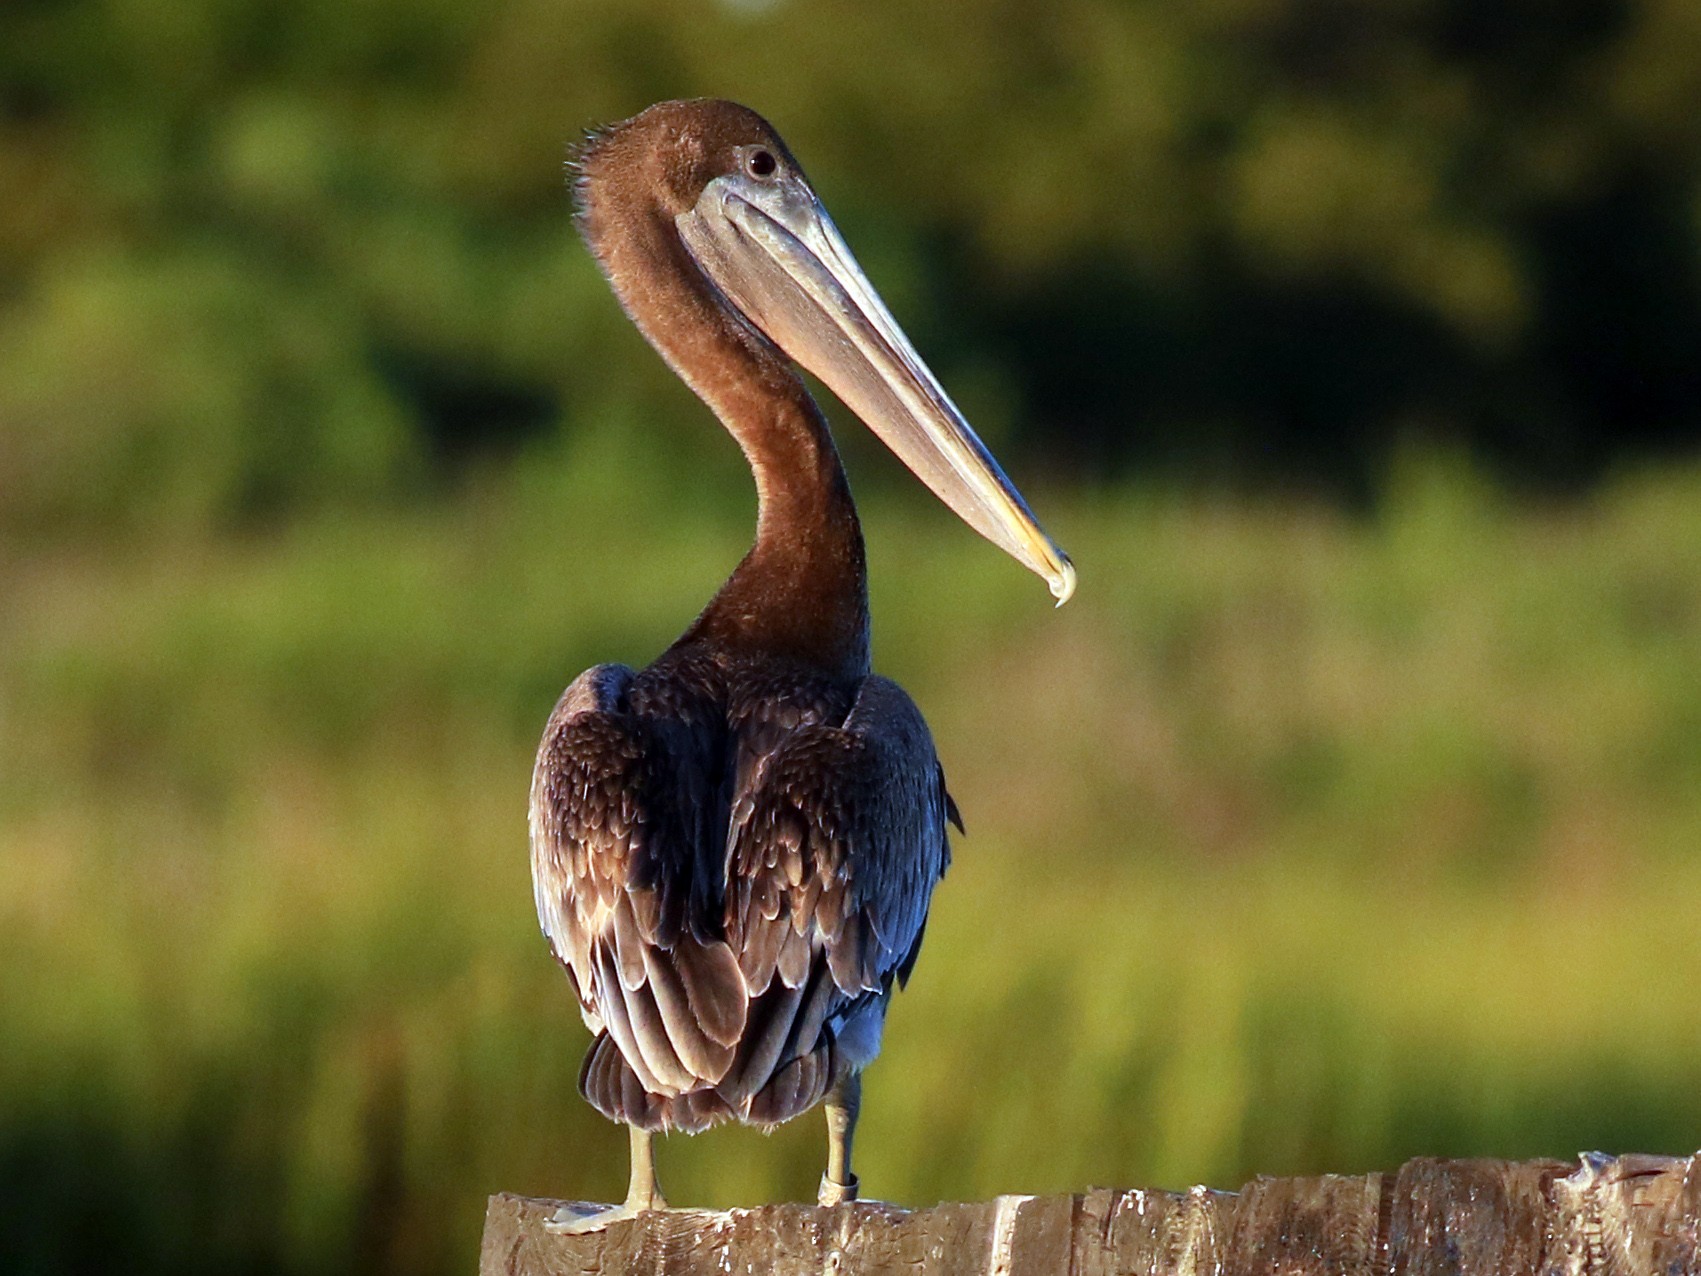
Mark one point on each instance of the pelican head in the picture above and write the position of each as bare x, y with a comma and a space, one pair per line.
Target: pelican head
745, 216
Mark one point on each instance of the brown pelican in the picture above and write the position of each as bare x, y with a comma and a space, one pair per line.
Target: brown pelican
733, 849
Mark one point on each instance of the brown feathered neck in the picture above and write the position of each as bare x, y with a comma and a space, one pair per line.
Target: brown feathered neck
801, 593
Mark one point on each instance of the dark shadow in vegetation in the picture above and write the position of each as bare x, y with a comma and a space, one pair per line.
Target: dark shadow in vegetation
83, 1190
1619, 336
1248, 385
464, 412
1316, 384
79, 1195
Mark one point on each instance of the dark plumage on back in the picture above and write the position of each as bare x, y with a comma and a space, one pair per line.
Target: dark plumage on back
733, 866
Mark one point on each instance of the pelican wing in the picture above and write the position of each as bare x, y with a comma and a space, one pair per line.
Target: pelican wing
621, 807
834, 846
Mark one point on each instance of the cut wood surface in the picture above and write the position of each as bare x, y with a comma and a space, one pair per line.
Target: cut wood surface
1598, 1216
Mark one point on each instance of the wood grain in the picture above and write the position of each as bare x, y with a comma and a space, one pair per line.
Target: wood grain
1598, 1216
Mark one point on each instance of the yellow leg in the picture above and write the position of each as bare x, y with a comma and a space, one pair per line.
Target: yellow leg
643, 1193
844, 1101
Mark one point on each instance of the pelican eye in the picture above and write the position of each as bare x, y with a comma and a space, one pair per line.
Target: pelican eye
761, 163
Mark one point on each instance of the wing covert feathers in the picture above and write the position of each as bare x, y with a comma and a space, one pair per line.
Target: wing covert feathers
836, 846
729, 874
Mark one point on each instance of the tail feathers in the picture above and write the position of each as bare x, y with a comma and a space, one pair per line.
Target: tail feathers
795, 1088
611, 1086
613, 1089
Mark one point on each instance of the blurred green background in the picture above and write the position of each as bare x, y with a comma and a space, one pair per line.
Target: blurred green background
1350, 813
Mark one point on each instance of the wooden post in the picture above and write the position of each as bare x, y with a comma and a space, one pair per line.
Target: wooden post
1600, 1216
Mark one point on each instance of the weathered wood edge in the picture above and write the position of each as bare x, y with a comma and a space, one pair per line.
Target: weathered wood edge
1598, 1216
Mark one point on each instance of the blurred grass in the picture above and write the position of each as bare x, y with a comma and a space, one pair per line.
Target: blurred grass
1297, 843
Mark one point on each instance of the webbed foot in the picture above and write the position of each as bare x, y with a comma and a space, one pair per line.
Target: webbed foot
579, 1217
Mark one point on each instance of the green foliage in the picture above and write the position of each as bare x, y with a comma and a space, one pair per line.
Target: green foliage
1296, 844
230, 224
178, 393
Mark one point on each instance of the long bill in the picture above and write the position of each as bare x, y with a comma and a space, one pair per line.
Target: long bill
775, 254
